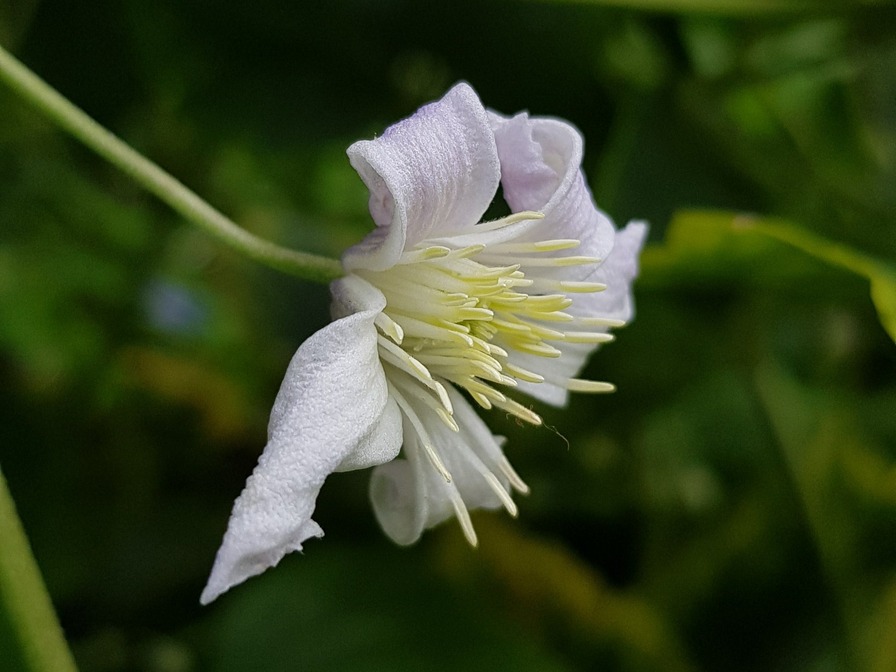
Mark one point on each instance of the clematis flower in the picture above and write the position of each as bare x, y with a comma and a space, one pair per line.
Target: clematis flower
439, 311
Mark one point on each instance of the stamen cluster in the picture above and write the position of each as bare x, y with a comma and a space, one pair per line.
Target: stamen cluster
456, 314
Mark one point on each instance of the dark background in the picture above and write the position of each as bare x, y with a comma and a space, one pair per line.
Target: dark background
731, 507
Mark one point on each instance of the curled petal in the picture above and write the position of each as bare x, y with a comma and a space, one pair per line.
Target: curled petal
618, 273
429, 175
541, 170
331, 410
541, 162
614, 303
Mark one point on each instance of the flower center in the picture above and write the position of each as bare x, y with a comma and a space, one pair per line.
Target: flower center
458, 313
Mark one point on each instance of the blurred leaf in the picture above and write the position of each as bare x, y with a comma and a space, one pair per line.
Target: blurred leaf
548, 587
881, 274
221, 403
704, 243
700, 245
725, 7
364, 608
819, 435
881, 633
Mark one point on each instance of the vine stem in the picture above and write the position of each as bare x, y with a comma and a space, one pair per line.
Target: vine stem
24, 599
155, 180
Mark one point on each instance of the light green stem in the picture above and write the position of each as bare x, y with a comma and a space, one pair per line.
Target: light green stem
71, 119
24, 599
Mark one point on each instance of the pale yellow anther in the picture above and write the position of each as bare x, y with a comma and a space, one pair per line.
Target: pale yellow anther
588, 337
517, 482
600, 322
425, 254
523, 374
503, 495
514, 218
447, 419
559, 262
448, 301
581, 287
463, 516
540, 349
539, 246
519, 411
389, 327
592, 386
437, 461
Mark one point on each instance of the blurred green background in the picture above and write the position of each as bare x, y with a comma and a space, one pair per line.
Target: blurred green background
731, 507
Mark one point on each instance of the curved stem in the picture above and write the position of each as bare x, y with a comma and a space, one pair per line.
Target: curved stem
74, 121
24, 601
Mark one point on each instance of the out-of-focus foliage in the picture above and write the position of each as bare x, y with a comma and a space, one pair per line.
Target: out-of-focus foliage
731, 507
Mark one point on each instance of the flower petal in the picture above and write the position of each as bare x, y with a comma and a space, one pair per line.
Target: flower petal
332, 403
618, 272
541, 170
614, 303
541, 162
410, 495
430, 174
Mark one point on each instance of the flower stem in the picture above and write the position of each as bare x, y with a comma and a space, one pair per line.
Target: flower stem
155, 180
24, 601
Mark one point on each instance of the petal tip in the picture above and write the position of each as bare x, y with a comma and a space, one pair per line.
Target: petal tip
234, 565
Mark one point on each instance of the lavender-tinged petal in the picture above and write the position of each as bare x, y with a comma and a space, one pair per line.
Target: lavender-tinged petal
541, 162
616, 303
429, 175
331, 403
541, 170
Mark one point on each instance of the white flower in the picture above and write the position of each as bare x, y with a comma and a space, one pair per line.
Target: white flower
436, 308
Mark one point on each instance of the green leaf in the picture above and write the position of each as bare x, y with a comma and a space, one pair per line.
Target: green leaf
724, 7
29, 632
702, 243
881, 274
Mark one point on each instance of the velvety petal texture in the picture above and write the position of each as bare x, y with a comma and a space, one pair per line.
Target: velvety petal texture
436, 171
332, 409
541, 170
541, 161
439, 309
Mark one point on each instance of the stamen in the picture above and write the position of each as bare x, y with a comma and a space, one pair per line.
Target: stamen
398, 357
512, 476
592, 386
447, 419
422, 434
588, 337
392, 354
505, 498
540, 349
447, 303
507, 221
558, 262
417, 329
600, 322
523, 374
389, 327
530, 248
425, 254
581, 287
463, 516
519, 411
563, 286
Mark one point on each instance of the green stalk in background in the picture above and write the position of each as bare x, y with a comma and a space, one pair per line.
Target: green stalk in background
24, 601
155, 180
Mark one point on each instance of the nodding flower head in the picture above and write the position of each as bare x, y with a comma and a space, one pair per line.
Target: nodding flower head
438, 308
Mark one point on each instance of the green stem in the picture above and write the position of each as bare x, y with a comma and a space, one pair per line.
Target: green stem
24, 600
155, 180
